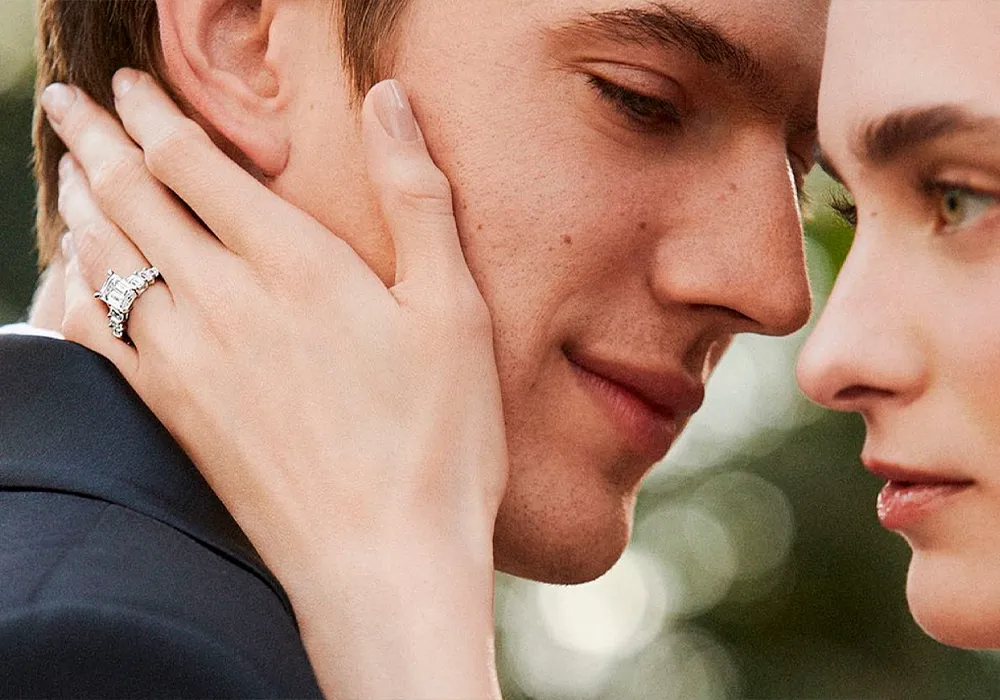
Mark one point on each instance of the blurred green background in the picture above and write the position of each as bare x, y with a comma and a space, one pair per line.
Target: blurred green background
758, 569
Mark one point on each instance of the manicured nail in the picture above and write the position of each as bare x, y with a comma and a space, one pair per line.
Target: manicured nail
65, 167
56, 99
123, 81
68, 249
393, 110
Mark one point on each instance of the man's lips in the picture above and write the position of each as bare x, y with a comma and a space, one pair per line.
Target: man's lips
911, 494
648, 405
667, 392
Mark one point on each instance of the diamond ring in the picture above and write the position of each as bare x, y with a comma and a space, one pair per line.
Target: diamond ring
119, 293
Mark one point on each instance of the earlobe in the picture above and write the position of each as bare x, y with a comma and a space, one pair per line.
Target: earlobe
215, 55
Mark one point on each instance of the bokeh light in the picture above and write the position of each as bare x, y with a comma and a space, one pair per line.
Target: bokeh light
17, 31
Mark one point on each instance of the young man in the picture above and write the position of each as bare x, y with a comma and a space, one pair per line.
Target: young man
624, 179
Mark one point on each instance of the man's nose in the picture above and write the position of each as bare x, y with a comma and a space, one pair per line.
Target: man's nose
861, 352
743, 250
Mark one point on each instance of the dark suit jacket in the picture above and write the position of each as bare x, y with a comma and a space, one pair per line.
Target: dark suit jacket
121, 574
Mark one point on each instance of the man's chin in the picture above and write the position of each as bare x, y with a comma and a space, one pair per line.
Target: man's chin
561, 548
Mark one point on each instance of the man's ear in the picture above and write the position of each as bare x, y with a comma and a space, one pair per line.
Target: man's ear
215, 56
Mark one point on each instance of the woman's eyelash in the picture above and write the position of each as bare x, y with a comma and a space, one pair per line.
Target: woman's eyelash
844, 208
643, 110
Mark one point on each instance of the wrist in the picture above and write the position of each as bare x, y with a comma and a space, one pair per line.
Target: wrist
400, 625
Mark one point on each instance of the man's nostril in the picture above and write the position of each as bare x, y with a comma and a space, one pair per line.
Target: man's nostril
858, 392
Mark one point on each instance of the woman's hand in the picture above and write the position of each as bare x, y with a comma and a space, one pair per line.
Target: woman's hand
354, 431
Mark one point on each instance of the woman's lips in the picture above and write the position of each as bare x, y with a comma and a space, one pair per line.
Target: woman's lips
901, 504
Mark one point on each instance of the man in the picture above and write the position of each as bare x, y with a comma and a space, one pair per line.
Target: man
624, 179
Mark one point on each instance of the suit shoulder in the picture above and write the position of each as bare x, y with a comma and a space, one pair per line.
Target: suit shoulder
73, 650
87, 582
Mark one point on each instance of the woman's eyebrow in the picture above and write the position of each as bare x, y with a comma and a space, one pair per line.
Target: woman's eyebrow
661, 24
903, 131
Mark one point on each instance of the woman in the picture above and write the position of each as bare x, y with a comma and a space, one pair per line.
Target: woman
893, 202
911, 127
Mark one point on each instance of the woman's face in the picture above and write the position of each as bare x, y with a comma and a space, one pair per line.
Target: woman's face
910, 122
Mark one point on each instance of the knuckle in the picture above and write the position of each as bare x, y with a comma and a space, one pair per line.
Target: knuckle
115, 176
173, 145
462, 314
64, 203
424, 189
92, 243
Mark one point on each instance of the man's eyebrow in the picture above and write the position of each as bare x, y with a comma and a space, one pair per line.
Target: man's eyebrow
658, 23
905, 130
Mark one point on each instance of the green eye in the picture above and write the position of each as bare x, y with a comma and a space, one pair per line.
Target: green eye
960, 207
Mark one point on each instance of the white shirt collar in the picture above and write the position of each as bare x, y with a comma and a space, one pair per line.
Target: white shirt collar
27, 329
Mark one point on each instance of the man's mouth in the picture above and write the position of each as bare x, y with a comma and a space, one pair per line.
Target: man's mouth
649, 405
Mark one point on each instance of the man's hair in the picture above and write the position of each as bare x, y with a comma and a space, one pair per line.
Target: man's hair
83, 42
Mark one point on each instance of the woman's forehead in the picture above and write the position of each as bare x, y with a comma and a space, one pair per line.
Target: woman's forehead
886, 58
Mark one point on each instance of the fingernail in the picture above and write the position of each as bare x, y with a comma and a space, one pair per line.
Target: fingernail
56, 99
123, 81
65, 167
393, 110
68, 249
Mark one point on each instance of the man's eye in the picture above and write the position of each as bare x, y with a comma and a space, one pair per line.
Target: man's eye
959, 207
844, 207
643, 111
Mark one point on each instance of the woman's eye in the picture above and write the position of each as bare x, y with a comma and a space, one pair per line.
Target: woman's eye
960, 207
844, 207
643, 111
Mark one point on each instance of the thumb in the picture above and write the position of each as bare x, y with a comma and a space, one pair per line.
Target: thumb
414, 196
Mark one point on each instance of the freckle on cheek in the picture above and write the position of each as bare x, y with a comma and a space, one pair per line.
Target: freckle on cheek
643, 225
567, 239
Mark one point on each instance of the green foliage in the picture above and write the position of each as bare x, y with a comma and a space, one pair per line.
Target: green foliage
17, 259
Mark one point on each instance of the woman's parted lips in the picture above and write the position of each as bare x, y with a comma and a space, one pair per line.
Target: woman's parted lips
912, 475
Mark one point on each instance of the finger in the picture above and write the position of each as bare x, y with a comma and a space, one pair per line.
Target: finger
414, 195
100, 247
85, 320
97, 242
122, 186
181, 155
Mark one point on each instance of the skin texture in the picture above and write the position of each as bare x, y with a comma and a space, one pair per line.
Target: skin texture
645, 247
909, 338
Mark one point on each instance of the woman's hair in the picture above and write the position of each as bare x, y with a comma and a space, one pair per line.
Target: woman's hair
83, 42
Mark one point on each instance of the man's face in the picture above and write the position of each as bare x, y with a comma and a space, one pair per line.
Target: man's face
625, 185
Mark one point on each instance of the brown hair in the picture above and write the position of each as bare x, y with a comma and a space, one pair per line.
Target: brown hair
83, 42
